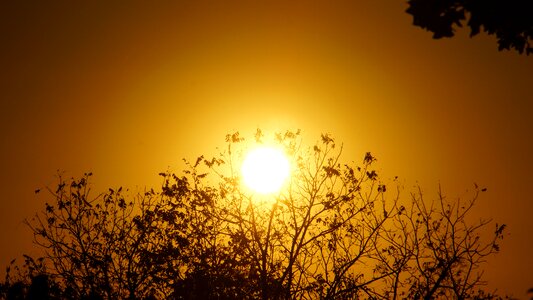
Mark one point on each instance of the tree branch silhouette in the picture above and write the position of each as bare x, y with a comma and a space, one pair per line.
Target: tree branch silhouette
336, 231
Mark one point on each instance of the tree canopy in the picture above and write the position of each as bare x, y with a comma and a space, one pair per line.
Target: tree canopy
336, 231
511, 21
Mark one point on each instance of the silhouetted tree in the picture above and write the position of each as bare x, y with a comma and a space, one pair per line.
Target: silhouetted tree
29, 281
335, 231
331, 234
92, 245
445, 251
511, 21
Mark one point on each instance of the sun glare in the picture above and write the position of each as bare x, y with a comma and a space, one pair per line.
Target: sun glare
265, 169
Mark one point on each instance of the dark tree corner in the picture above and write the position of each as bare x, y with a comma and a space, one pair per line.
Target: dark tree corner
511, 21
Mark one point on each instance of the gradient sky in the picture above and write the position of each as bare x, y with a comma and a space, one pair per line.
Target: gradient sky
126, 89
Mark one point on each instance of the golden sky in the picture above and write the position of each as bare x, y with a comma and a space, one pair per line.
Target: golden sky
128, 89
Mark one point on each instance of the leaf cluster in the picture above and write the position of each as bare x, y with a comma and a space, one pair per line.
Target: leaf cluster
511, 21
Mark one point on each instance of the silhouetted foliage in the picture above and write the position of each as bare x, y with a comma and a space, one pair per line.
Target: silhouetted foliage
29, 281
335, 231
511, 21
92, 245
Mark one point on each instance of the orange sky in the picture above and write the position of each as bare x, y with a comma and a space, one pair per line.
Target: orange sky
127, 89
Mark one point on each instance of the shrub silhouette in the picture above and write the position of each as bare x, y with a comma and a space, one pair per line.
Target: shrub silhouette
336, 231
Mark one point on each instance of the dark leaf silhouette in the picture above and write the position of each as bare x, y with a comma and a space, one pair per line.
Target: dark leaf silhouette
511, 21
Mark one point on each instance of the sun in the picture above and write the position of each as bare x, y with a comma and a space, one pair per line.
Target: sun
265, 169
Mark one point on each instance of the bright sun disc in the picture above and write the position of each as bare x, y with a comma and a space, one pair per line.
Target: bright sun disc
265, 169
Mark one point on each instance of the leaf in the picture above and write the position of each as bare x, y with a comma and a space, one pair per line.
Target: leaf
368, 158
372, 175
198, 160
